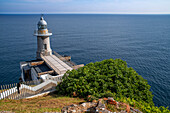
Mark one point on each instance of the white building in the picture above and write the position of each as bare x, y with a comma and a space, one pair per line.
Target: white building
43, 40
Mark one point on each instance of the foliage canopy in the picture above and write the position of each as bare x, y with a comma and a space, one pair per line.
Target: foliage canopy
106, 78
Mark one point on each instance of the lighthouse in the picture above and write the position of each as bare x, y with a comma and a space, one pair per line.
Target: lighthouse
48, 65
43, 40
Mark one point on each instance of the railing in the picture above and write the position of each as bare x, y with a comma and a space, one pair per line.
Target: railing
42, 32
29, 88
70, 63
33, 83
56, 78
57, 55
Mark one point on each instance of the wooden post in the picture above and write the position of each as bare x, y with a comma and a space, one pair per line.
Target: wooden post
16, 94
21, 89
12, 91
19, 95
24, 91
8, 91
20, 92
6, 88
16, 90
2, 91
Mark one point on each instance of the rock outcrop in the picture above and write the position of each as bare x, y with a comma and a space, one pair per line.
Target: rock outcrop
99, 107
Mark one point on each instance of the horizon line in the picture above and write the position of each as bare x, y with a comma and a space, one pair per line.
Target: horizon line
149, 13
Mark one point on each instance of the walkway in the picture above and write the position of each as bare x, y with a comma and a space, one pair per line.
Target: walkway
55, 63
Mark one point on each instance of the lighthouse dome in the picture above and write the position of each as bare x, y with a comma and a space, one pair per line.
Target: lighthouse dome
42, 21
42, 24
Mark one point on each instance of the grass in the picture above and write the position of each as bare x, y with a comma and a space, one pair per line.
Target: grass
48, 103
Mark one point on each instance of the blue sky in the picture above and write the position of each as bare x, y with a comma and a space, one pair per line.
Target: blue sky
85, 6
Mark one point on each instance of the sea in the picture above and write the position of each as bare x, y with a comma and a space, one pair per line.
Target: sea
143, 41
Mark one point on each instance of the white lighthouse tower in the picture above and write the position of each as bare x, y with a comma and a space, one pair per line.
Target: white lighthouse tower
43, 40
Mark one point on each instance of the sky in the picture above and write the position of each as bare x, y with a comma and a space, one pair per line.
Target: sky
84, 6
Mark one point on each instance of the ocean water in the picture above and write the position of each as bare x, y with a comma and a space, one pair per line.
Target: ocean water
143, 41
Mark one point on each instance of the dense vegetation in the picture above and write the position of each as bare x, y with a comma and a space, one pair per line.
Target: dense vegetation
141, 105
109, 78
110, 75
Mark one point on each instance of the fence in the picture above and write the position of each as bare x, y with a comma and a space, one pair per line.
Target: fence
5, 88
33, 82
26, 89
57, 78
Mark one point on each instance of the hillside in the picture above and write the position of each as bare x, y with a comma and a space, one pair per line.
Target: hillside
48, 103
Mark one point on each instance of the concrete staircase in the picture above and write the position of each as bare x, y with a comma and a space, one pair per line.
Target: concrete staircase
27, 91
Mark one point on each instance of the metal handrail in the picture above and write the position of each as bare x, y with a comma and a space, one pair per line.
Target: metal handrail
11, 91
70, 63
57, 55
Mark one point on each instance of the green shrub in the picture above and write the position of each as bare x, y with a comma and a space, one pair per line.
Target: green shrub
141, 105
110, 75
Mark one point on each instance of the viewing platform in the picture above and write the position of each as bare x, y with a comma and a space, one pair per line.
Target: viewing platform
56, 64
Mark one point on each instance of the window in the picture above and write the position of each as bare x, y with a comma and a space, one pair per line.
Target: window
42, 26
45, 46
